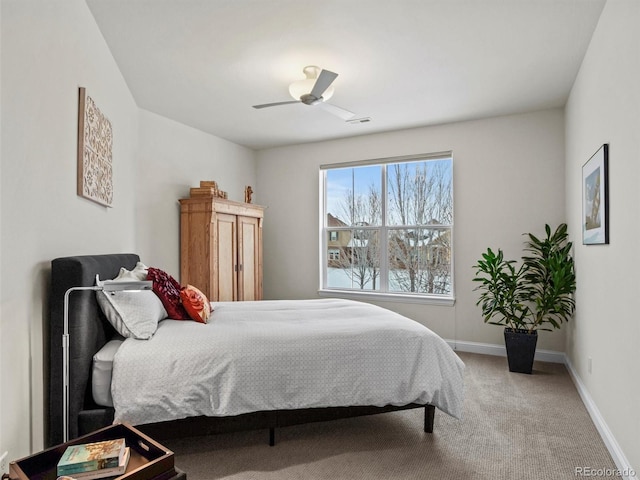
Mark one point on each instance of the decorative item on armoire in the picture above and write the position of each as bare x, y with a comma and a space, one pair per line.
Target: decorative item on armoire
248, 191
95, 146
595, 198
208, 188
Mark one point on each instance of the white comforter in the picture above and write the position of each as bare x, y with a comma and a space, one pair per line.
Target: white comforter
273, 355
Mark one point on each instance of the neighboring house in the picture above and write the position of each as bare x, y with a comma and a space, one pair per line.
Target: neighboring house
337, 241
342, 245
429, 249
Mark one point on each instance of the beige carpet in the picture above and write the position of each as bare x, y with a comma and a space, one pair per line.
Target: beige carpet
514, 426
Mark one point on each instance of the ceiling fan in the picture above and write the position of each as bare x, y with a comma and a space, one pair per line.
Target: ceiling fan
316, 89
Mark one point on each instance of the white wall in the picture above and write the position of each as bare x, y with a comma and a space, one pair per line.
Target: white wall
508, 179
49, 49
604, 107
172, 158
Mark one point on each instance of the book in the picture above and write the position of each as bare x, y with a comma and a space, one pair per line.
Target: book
105, 472
91, 456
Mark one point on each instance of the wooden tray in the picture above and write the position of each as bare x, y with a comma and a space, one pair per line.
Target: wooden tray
149, 460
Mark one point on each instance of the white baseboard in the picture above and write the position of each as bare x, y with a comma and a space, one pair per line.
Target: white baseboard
500, 351
625, 469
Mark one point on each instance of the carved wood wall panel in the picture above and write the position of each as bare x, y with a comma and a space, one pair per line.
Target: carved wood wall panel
95, 146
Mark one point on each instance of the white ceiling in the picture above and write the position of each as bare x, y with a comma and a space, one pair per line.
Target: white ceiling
404, 63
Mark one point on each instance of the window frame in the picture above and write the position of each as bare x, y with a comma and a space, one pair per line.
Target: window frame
383, 294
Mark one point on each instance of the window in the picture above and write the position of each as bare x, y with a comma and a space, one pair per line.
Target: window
387, 227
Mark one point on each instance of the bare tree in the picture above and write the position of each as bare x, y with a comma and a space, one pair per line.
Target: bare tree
420, 200
360, 258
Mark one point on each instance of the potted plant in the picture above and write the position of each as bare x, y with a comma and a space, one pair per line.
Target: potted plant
537, 295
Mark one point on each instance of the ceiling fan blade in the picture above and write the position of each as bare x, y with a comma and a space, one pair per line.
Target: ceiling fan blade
265, 105
337, 111
325, 79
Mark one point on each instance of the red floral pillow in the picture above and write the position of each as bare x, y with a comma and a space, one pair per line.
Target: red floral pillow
168, 291
195, 303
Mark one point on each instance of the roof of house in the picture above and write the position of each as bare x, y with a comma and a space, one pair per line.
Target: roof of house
334, 221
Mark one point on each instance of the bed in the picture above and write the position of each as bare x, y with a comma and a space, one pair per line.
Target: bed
266, 364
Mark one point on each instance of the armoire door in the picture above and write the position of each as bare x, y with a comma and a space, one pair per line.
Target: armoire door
225, 257
249, 259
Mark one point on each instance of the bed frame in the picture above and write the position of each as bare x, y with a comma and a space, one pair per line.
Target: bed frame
89, 331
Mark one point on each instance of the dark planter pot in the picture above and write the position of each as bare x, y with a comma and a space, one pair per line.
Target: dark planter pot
521, 348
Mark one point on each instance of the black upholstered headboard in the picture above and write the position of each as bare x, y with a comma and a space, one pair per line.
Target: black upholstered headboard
88, 332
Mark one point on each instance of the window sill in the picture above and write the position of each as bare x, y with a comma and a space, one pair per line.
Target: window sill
388, 297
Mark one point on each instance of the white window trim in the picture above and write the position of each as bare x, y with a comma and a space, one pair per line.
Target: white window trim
426, 299
387, 297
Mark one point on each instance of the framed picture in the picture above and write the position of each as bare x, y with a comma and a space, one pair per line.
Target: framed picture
95, 144
595, 198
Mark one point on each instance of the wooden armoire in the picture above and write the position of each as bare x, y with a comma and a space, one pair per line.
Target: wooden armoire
221, 247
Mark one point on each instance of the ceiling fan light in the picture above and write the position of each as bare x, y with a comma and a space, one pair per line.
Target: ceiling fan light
303, 87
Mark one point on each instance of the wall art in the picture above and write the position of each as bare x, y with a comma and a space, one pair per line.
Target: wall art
95, 146
595, 198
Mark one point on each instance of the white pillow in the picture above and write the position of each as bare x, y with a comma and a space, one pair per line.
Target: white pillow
138, 274
132, 314
102, 371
